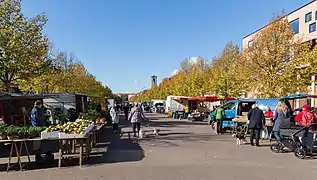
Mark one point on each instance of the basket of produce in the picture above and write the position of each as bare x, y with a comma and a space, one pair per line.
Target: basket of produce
100, 120
78, 129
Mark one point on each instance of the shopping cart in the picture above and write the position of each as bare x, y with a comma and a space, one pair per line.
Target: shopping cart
241, 128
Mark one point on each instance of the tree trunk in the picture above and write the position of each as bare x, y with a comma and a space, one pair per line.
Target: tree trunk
7, 86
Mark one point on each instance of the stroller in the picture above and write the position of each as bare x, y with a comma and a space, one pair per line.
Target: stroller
292, 142
303, 149
289, 141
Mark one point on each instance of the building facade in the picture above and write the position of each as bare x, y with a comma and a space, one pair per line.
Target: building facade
302, 21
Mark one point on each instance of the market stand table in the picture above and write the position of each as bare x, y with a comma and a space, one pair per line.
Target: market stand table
67, 147
17, 147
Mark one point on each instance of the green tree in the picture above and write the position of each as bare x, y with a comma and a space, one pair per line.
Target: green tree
270, 60
223, 77
23, 47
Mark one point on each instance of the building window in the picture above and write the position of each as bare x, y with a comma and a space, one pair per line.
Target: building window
250, 43
295, 26
312, 27
308, 17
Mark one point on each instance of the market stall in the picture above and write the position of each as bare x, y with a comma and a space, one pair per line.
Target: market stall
201, 106
15, 108
74, 139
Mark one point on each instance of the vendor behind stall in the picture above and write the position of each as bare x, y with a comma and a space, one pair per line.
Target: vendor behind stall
37, 115
37, 119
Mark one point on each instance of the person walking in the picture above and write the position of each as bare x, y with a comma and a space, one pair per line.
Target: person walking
268, 122
186, 111
279, 117
126, 111
220, 115
256, 118
136, 117
115, 119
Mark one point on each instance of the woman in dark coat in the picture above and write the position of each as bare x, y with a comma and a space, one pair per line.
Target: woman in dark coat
256, 118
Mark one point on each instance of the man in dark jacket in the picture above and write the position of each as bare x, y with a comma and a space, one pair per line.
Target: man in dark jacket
256, 118
126, 111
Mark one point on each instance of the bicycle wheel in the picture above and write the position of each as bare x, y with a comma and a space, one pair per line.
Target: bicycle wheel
276, 148
300, 153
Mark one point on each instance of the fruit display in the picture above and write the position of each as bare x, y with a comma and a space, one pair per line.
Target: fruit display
77, 127
100, 120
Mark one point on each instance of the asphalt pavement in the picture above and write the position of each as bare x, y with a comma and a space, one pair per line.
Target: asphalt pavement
183, 151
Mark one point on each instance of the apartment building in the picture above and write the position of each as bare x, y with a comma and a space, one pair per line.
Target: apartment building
302, 21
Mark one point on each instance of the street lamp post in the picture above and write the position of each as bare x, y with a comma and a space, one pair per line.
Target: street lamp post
297, 100
313, 89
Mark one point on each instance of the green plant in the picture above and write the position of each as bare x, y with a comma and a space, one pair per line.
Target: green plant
2, 131
22, 131
12, 130
92, 114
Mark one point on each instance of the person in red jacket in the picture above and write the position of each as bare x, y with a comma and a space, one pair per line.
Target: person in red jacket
305, 117
268, 122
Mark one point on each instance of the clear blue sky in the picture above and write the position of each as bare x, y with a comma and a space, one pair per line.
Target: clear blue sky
124, 42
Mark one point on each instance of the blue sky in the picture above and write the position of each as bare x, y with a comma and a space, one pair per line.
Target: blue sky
124, 42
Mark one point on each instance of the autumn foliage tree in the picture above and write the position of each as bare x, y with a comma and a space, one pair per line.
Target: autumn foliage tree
23, 47
271, 60
269, 67
26, 59
224, 78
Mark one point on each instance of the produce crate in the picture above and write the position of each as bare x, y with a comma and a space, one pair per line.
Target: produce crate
71, 136
50, 135
89, 128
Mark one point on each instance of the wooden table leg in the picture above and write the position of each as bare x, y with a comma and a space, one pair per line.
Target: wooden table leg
27, 151
60, 152
11, 151
98, 135
81, 152
18, 153
73, 146
95, 138
88, 147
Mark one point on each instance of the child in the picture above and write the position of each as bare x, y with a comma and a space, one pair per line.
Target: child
115, 119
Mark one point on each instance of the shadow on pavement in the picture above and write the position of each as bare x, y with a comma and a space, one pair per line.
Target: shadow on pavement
114, 148
175, 123
173, 139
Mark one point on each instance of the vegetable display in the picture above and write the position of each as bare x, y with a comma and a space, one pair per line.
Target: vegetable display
78, 127
100, 120
20, 132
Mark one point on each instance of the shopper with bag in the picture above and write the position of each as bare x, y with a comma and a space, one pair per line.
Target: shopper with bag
136, 117
268, 122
